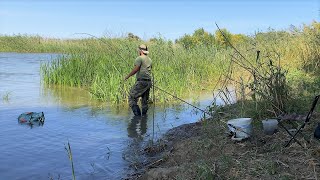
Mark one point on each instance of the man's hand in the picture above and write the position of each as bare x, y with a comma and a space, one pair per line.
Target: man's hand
133, 72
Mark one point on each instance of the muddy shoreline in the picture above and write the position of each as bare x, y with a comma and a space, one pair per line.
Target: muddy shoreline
203, 150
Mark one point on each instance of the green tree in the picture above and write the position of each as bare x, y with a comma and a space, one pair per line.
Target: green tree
200, 37
238, 39
221, 38
186, 41
131, 36
203, 38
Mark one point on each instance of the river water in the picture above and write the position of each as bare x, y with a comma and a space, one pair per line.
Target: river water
99, 134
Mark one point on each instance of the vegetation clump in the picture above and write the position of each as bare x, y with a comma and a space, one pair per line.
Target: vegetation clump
286, 67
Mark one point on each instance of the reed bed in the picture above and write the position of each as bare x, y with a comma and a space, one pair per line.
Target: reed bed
101, 69
99, 64
31, 44
278, 70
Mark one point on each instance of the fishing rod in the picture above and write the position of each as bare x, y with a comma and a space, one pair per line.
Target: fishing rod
174, 96
183, 101
238, 52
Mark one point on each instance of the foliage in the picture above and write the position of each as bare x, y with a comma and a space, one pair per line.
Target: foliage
199, 38
309, 48
133, 37
25, 43
275, 69
288, 63
101, 69
222, 38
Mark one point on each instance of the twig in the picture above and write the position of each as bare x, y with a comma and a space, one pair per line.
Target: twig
315, 172
155, 162
68, 149
284, 164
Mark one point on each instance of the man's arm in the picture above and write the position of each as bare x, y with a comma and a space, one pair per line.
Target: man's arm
133, 72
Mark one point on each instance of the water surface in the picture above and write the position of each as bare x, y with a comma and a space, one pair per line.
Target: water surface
99, 134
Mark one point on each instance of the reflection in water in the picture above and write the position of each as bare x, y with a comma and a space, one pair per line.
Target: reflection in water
92, 127
31, 119
74, 98
32, 125
137, 127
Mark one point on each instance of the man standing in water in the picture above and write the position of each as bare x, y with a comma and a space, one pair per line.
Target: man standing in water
142, 69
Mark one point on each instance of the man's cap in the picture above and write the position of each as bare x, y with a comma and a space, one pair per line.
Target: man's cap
144, 49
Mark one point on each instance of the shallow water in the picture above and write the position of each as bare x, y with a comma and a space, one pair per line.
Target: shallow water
98, 134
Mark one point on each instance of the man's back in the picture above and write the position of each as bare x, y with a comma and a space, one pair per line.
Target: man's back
145, 64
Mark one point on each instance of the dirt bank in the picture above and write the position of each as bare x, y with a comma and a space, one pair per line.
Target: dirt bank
203, 150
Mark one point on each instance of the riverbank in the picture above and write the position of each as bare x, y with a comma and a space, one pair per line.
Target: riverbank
203, 150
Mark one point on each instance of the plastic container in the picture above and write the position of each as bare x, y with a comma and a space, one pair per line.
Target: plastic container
270, 126
241, 127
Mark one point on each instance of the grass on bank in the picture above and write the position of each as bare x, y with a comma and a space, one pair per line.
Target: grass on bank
290, 58
177, 70
31, 44
208, 153
99, 64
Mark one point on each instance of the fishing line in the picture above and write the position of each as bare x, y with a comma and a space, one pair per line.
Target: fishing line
238, 52
227, 40
154, 107
174, 96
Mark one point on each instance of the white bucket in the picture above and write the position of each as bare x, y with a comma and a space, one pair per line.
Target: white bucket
241, 127
269, 126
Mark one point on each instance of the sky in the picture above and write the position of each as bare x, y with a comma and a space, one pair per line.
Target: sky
170, 19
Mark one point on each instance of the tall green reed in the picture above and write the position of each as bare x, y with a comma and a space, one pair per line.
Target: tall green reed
101, 69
